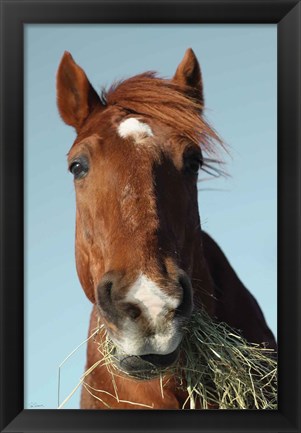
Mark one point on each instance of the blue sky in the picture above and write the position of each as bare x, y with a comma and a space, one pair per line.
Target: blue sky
238, 63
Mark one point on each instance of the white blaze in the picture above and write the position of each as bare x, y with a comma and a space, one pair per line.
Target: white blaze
150, 298
134, 128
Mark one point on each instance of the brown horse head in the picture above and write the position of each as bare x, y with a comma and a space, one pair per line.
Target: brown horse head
135, 164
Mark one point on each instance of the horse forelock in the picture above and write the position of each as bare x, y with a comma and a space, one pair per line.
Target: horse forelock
167, 102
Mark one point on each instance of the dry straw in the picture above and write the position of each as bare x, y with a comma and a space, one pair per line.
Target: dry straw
218, 369
223, 370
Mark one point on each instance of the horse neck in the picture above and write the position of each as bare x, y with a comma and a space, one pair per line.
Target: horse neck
202, 282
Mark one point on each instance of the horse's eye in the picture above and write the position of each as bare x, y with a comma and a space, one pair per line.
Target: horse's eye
193, 164
79, 169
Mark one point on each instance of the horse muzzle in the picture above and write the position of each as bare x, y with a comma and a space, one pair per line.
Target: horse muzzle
144, 322
144, 367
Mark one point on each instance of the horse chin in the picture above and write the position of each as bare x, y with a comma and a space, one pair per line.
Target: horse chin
144, 367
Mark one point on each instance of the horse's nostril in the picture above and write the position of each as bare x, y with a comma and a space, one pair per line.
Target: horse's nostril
186, 306
105, 291
109, 284
107, 287
133, 311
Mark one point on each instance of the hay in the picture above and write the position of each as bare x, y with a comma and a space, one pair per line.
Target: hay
217, 367
220, 369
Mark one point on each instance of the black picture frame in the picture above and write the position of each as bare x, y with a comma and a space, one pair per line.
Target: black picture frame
14, 14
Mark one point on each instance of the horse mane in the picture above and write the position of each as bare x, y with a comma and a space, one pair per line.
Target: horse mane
161, 99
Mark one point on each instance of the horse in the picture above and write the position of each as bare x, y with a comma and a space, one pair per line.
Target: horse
142, 257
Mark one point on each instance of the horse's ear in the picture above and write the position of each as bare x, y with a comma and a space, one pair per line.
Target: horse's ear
188, 74
76, 98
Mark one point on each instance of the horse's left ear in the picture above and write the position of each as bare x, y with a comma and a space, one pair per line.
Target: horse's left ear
189, 74
76, 98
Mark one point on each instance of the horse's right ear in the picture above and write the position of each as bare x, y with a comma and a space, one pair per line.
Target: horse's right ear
76, 98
